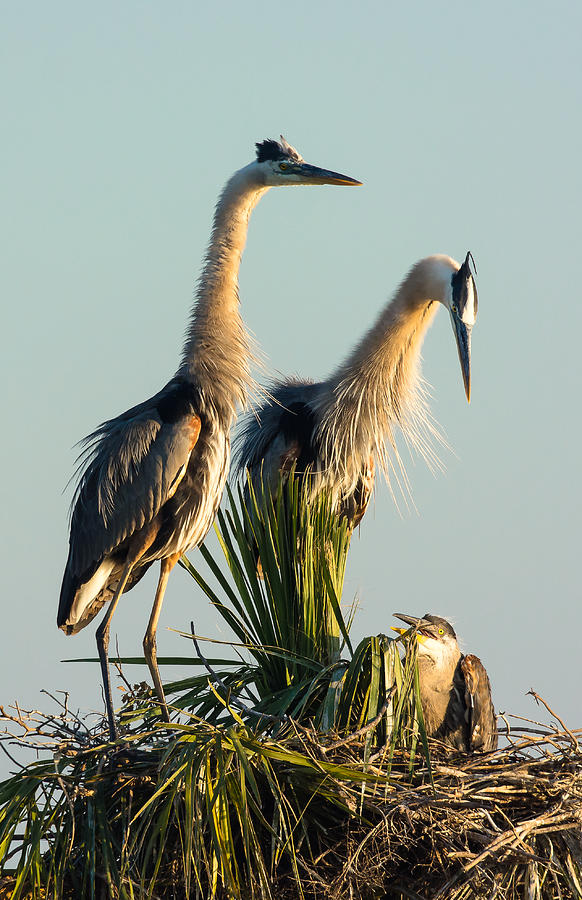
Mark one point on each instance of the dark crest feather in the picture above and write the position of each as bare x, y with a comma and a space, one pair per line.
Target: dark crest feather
273, 150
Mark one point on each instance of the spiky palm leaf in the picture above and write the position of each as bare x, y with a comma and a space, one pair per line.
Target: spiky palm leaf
239, 805
287, 614
215, 812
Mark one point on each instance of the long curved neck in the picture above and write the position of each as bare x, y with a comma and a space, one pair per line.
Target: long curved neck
379, 384
216, 351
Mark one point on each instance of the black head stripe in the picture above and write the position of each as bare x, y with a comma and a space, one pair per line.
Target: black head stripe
464, 272
273, 150
460, 282
439, 622
270, 150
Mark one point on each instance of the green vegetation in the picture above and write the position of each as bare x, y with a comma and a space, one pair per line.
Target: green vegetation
297, 765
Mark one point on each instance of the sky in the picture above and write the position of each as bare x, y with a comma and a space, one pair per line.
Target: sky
121, 124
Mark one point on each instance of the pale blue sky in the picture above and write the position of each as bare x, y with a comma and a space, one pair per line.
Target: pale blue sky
121, 122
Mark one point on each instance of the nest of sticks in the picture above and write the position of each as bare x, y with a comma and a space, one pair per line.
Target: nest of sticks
506, 824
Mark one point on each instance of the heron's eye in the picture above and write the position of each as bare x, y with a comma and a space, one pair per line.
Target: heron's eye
282, 166
441, 631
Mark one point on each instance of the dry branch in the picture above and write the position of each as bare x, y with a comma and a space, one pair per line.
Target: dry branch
505, 824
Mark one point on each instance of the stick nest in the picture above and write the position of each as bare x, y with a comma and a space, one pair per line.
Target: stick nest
502, 825
506, 824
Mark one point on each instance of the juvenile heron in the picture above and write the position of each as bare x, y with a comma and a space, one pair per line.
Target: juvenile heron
454, 689
337, 430
154, 475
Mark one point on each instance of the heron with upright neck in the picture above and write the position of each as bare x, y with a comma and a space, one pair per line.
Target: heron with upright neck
334, 433
455, 692
153, 476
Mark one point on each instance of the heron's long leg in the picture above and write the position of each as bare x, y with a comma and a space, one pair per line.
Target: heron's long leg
149, 641
142, 540
102, 636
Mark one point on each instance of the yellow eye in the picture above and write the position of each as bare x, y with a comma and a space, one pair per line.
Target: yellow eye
441, 631
282, 166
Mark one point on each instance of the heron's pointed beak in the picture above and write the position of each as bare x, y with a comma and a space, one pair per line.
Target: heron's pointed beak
463, 338
463, 311
419, 637
413, 622
314, 175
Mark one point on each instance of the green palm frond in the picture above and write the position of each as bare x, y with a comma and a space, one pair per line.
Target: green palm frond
283, 601
203, 811
218, 810
299, 766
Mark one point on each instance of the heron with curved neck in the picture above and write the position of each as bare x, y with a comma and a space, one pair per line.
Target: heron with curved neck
152, 477
334, 433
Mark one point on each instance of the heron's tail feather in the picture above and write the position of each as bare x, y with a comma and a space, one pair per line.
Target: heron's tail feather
80, 602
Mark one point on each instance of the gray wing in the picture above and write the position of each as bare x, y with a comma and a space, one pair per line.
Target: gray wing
283, 433
481, 720
267, 442
136, 463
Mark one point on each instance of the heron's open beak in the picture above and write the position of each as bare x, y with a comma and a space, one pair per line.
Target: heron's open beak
463, 338
419, 637
412, 622
313, 175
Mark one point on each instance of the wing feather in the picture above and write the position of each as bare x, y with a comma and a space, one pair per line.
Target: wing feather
135, 466
261, 441
482, 722
283, 433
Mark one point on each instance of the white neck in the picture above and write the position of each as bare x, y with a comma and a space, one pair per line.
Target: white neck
380, 383
436, 677
439, 662
216, 351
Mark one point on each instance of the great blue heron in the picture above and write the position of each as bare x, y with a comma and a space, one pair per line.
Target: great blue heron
338, 429
454, 689
154, 475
